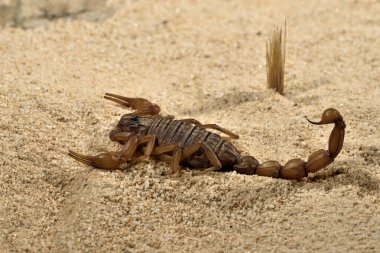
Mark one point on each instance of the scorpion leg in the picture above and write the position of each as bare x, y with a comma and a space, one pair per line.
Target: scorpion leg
150, 140
214, 160
129, 148
186, 153
120, 136
221, 129
174, 159
179, 154
212, 126
165, 158
163, 149
141, 105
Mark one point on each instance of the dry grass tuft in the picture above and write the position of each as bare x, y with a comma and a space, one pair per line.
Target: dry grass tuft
275, 54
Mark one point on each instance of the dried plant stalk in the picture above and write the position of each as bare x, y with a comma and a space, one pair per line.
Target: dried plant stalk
275, 54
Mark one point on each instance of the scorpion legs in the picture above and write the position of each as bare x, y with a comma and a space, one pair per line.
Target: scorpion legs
180, 154
174, 159
297, 168
212, 126
211, 156
141, 105
197, 160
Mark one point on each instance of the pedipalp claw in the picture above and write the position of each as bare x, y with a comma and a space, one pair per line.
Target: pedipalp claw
105, 161
115, 99
141, 105
81, 158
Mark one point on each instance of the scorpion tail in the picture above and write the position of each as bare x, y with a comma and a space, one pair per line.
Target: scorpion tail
297, 168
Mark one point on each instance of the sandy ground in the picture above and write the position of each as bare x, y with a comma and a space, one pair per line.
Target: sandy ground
201, 59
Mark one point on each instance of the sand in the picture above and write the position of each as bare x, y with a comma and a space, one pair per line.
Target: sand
205, 60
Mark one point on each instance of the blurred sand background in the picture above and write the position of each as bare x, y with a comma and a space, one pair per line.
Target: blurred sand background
200, 59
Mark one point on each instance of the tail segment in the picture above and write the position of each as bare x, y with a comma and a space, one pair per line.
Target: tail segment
297, 168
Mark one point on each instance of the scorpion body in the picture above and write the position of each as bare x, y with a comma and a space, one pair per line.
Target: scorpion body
185, 134
188, 142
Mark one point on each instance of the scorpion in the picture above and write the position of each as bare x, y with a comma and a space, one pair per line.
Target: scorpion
187, 142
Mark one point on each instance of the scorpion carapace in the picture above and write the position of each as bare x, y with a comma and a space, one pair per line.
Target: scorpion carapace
189, 143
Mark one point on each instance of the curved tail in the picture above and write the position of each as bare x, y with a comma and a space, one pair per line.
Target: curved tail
297, 168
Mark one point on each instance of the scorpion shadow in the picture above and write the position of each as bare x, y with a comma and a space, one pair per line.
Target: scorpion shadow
343, 176
229, 99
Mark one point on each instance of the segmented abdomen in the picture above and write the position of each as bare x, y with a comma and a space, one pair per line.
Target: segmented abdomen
184, 134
